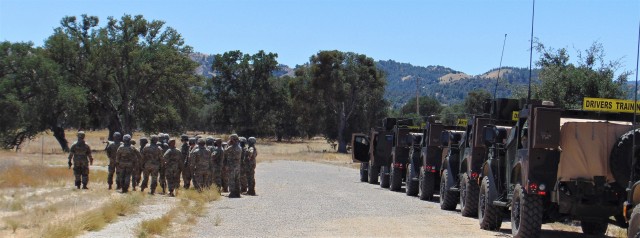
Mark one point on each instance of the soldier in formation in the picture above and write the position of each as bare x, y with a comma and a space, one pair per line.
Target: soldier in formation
80, 154
152, 156
127, 160
173, 163
187, 172
249, 166
200, 160
233, 156
217, 155
111, 149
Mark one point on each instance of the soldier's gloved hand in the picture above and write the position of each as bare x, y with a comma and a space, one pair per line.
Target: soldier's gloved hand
69, 164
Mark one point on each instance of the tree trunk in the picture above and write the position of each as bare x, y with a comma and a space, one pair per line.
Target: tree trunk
342, 145
114, 126
58, 133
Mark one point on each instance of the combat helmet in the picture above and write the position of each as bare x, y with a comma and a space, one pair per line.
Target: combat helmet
252, 140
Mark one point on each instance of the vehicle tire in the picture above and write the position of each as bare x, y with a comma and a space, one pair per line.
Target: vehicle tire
490, 216
448, 199
634, 223
384, 177
594, 228
364, 172
425, 181
411, 186
526, 214
468, 196
374, 172
395, 177
620, 158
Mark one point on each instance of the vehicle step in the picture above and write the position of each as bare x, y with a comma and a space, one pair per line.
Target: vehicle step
501, 203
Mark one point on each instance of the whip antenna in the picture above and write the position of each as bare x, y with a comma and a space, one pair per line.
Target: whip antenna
495, 91
533, 14
634, 161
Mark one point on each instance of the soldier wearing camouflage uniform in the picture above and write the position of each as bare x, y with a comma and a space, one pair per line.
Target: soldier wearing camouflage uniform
134, 176
164, 144
201, 165
209, 144
184, 149
243, 158
127, 160
217, 155
111, 149
138, 172
233, 154
80, 154
152, 156
187, 171
173, 162
249, 166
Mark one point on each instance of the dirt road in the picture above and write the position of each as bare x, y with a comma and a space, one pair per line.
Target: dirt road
311, 199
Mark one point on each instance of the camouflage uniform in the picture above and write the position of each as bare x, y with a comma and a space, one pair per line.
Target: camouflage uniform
243, 158
233, 155
209, 144
80, 153
184, 149
217, 155
152, 156
173, 162
135, 177
249, 166
187, 172
111, 149
225, 170
138, 170
201, 165
164, 139
127, 160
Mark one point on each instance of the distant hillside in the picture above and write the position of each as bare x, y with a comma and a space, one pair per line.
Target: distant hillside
446, 84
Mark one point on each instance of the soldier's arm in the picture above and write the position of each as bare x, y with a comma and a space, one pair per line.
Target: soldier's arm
89, 155
165, 157
118, 156
72, 151
180, 159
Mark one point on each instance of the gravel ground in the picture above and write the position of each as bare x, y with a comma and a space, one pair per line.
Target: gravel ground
310, 199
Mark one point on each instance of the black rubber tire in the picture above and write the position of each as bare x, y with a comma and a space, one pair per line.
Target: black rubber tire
468, 196
526, 214
364, 172
384, 177
411, 186
634, 223
594, 228
448, 199
395, 178
490, 216
374, 172
620, 158
426, 184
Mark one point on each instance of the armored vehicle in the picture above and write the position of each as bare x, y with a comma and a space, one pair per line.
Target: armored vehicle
556, 165
400, 155
373, 151
462, 179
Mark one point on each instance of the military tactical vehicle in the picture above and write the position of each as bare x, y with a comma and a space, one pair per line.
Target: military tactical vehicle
462, 180
400, 152
555, 165
374, 151
433, 147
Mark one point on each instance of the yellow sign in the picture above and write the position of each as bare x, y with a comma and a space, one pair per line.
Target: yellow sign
514, 115
609, 105
462, 122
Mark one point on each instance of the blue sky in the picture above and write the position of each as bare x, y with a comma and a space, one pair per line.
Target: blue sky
465, 35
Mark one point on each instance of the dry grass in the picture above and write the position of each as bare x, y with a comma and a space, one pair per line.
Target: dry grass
157, 226
13, 224
95, 219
